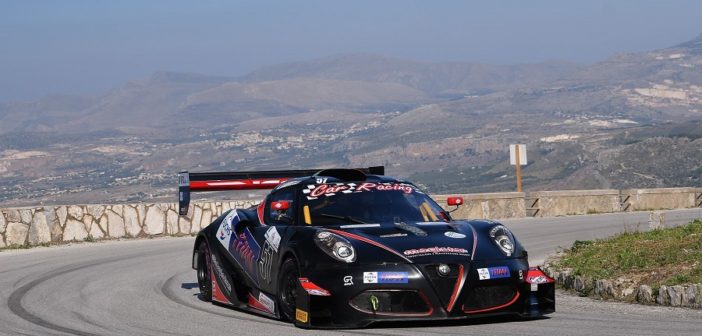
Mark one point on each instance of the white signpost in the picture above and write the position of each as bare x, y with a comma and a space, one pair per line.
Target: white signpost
517, 153
518, 157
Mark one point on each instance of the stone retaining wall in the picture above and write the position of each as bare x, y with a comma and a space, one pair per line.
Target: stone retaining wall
56, 224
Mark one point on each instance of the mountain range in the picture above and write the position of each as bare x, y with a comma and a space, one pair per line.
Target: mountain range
632, 120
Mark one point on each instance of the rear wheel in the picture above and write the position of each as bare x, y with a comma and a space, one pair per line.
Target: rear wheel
203, 272
287, 289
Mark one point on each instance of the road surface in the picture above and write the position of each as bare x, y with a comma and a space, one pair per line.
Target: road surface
146, 287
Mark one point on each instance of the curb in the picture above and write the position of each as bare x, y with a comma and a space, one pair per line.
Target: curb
622, 289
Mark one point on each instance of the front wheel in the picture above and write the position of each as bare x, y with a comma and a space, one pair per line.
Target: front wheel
287, 289
204, 281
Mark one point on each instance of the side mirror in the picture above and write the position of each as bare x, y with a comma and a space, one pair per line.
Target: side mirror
280, 205
454, 201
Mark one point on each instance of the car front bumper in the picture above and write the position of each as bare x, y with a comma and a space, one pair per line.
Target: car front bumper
357, 295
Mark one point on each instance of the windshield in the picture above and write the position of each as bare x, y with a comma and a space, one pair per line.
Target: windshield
359, 203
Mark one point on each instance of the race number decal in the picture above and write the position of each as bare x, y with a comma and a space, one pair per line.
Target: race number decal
265, 264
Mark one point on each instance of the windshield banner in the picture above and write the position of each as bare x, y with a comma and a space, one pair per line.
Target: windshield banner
314, 191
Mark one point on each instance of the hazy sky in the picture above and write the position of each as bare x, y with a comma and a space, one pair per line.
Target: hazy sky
88, 47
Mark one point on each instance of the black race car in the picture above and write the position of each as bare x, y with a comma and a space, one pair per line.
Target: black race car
341, 248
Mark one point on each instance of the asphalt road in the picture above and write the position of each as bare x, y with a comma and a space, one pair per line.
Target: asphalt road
146, 287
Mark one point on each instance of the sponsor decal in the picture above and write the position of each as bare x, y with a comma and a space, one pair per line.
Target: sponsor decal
385, 277
263, 303
301, 315
452, 234
483, 274
370, 277
246, 251
273, 237
534, 287
224, 233
312, 288
536, 276
267, 302
183, 180
499, 272
369, 186
220, 274
217, 294
420, 252
537, 279
315, 191
393, 235
493, 273
330, 189
348, 280
393, 277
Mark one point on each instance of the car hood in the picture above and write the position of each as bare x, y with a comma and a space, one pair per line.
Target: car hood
415, 242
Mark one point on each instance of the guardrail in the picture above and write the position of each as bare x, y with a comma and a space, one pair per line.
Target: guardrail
31, 226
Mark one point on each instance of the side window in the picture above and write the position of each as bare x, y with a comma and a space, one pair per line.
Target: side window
283, 210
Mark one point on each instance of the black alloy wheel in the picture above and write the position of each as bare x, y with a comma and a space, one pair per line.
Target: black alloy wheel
203, 272
287, 289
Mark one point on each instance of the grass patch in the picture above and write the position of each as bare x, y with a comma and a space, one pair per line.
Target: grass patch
23, 246
16, 247
660, 257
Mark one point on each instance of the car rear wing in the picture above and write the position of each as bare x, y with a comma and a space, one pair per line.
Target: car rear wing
251, 180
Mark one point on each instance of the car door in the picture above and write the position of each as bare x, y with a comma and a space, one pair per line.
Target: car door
255, 246
279, 214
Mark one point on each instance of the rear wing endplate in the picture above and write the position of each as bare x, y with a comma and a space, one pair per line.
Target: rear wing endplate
252, 180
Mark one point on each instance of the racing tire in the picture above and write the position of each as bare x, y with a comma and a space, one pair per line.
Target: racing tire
287, 289
204, 281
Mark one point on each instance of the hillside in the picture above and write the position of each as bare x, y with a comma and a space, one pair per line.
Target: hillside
632, 120
432, 78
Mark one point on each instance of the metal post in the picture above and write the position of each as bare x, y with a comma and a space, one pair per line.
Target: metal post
519, 169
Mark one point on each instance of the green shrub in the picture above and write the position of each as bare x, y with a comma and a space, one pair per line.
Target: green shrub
666, 256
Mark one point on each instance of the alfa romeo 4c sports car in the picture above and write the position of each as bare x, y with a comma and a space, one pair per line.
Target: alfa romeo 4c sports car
343, 248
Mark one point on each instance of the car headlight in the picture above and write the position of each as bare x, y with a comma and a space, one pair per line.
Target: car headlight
503, 238
335, 246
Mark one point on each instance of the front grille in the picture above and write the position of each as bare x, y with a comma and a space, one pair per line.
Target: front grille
488, 298
392, 302
444, 285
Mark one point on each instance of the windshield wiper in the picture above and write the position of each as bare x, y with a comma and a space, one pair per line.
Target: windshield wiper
345, 218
